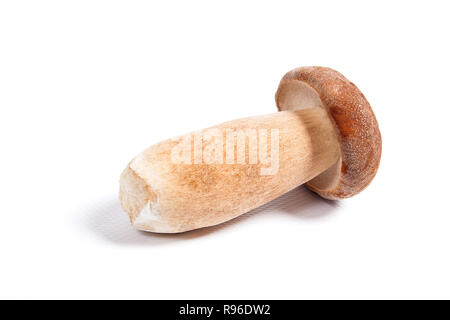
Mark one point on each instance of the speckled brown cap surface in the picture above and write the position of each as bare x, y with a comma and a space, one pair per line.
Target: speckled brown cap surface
354, 121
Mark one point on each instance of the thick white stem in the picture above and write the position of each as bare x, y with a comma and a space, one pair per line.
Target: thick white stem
211, 176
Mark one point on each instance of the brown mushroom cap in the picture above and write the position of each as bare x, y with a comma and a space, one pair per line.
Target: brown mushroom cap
354, 121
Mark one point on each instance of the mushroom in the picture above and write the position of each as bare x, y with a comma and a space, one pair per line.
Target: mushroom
325, 135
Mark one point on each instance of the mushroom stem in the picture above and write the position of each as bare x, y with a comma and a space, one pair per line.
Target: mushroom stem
213, 175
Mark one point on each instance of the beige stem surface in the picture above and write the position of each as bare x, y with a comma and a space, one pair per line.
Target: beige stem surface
160, 194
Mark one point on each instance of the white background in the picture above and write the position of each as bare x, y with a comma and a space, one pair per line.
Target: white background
87, 85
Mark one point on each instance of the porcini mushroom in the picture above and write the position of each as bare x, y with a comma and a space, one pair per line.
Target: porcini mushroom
325, 135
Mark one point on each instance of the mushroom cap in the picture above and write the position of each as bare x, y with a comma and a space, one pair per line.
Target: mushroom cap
354, 122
